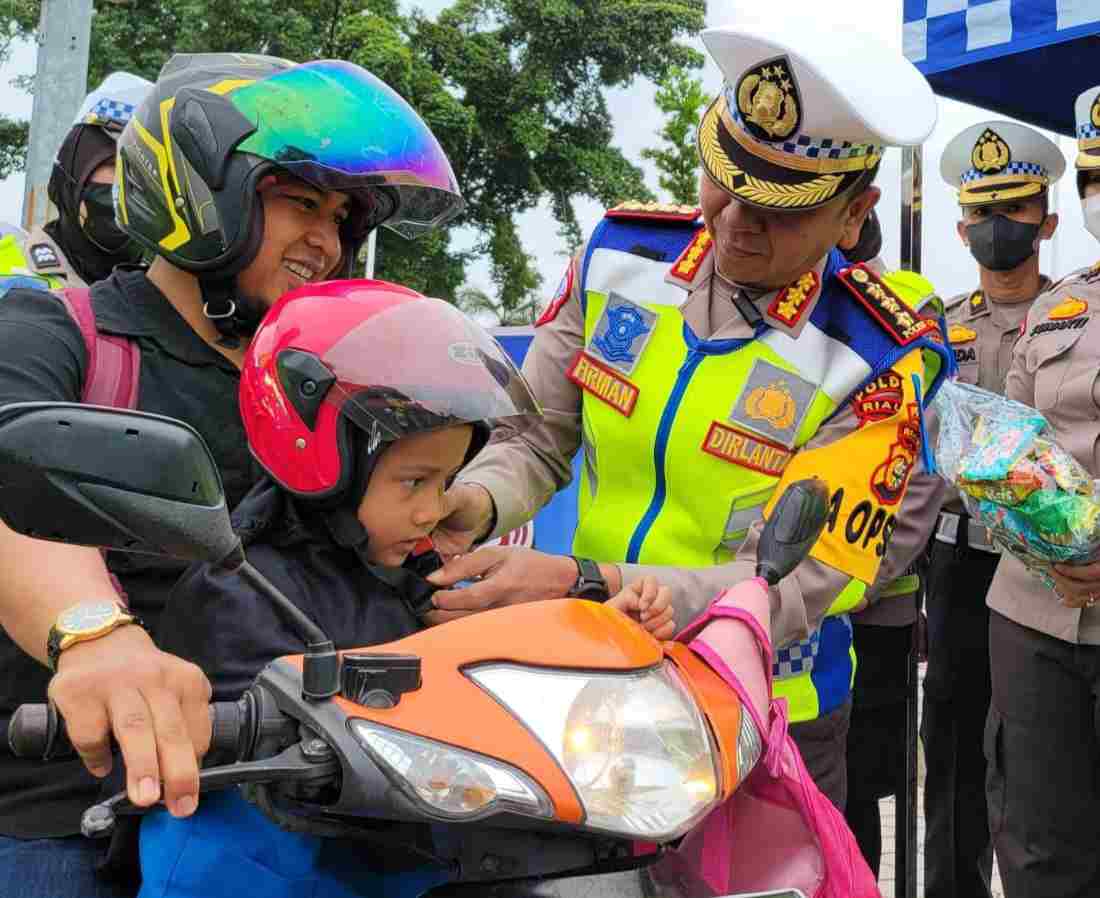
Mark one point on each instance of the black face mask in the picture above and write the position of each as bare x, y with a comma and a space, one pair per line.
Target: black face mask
1001, 244
99, 226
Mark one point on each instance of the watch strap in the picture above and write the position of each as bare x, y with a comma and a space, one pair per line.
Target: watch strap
56, 640
590, 583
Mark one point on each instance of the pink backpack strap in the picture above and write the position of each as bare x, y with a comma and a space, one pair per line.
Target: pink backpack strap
114, 362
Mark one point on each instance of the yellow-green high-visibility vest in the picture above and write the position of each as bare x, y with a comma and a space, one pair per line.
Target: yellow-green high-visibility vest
685, 440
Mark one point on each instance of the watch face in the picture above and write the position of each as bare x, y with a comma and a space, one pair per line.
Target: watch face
87, 616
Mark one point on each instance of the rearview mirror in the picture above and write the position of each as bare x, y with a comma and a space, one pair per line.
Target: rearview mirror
110, 478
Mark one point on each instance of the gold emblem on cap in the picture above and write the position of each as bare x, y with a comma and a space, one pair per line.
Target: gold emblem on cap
768, 99
990, 154
1096, 111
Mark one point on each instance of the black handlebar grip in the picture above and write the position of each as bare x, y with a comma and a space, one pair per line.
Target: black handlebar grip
37, 731
792, 529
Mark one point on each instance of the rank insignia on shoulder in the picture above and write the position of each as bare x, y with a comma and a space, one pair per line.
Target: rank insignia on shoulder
792, 301
977, 304
959, 333
1070, 307
689, 262
656, 211
603, 382
885, 306
43, 256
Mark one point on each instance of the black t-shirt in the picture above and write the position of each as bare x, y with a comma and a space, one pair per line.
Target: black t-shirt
220, 622
43, 357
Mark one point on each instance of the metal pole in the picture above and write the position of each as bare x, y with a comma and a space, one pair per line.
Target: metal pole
905, 807
911, 208
60, 83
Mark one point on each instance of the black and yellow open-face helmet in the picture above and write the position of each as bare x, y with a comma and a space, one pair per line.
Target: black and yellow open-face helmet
216, 123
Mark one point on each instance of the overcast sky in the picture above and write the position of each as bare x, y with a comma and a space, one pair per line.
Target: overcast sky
946, 262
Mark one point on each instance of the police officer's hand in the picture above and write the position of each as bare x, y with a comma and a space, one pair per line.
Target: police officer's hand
503, 575
155, 704
467, 518
1077, 585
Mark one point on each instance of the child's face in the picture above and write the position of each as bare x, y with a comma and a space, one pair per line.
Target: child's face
404, 497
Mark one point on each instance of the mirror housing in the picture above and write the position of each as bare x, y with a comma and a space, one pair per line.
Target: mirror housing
114, 479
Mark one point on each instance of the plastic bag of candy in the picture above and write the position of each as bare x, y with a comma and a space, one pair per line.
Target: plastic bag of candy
1037, 500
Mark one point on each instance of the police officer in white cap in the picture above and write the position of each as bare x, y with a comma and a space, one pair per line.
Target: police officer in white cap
704, 365
83, 243
1043, 732
1002, 171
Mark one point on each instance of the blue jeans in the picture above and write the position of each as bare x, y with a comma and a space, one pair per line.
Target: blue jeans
229, 849
54, 868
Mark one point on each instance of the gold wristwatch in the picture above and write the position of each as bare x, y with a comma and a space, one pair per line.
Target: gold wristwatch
82, 622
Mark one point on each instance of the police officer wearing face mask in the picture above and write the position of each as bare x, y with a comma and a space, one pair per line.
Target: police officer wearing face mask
1002, 171
84, 243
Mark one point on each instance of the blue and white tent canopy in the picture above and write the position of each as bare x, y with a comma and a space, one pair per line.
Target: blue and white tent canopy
1027, 59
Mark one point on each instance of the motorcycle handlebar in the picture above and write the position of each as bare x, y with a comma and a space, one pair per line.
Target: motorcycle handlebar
37, 731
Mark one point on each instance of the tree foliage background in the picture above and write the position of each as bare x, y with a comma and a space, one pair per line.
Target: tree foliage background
513, 89
680, 96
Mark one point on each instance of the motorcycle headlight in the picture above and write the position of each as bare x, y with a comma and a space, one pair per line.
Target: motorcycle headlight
634, 745
449, 782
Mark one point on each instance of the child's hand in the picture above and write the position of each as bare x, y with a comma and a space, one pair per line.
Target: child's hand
648, 604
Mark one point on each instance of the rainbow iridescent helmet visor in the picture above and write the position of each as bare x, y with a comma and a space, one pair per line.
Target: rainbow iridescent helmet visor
381, 140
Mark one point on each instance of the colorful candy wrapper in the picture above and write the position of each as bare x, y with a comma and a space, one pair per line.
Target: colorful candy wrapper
1037, 500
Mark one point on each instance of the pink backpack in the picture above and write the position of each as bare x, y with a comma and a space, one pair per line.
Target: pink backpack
113, 362
777, 830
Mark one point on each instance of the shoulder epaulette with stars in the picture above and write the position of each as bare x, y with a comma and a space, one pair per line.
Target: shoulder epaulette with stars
976, 304
654, 211
885, 306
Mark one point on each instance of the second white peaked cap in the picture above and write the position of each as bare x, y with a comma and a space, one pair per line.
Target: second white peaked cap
1087, 112
112, 104
804, 113
998, 161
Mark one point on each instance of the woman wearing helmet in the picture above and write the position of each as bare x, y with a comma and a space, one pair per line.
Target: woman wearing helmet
244, 177
361, 400
83, 243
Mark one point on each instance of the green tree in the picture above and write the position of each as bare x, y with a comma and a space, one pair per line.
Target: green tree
513, 89
681, 98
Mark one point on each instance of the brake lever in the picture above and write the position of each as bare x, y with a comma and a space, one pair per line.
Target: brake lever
301, 763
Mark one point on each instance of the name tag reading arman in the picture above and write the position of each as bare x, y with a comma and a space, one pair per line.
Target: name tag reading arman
603, 382
745, 449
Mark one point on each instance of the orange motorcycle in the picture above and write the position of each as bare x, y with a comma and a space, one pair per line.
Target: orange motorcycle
560, 763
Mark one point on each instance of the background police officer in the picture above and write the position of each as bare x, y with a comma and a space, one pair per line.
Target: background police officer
83, 243
1002, 171
749, 339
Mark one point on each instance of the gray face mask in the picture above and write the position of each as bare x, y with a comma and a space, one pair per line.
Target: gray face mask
1001, 244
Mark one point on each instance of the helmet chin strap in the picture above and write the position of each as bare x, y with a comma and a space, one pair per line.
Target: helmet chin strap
234, 316
406, 581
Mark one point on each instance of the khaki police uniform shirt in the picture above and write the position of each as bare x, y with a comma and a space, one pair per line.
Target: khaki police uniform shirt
522, 471
1056, 368
45, 258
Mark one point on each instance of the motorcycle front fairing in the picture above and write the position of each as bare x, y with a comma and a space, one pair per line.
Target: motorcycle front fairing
507, 801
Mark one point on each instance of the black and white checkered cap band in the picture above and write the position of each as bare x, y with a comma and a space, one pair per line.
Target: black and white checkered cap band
1087, 131
112, 111
1013, 168
804, 145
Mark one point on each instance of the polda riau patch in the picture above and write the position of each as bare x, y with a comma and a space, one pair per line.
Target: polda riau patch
44, 256
773, 403
621, 333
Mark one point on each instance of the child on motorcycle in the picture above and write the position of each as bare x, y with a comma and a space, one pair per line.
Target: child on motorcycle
361, 401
